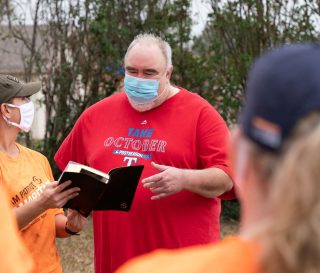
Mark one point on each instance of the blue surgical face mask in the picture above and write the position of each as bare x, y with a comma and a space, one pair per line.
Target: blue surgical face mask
141, 90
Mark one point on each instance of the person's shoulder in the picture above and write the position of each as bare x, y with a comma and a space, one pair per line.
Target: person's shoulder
232, 250
193, 97
189, 94
117, 97
230, 255
103, 107
109, 102
235, 246
31, 152
198, 104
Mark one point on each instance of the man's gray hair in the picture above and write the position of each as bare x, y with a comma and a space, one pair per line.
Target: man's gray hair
163, 45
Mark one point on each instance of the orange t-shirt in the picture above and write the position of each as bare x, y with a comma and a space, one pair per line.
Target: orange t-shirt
229, 256
25, 177
14, 257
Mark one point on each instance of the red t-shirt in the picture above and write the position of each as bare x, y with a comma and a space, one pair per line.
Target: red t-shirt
184, 132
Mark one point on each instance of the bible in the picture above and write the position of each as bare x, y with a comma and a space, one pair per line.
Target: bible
101, 191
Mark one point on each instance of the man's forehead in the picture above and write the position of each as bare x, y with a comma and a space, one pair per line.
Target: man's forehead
146, 45
145, 60
148, 53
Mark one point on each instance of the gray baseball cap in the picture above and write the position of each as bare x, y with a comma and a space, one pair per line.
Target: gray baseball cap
11, 87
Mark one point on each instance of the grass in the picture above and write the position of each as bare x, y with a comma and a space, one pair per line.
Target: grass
77, 251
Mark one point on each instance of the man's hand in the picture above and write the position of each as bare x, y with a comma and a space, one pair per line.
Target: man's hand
75, 221
209, 182
168, 181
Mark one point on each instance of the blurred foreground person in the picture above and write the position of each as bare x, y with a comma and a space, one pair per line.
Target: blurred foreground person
14, 257
275, 153
35, 197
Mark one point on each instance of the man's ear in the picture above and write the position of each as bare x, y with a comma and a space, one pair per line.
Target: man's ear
169, 72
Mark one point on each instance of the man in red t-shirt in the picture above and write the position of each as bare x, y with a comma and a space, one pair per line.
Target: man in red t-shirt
179, 138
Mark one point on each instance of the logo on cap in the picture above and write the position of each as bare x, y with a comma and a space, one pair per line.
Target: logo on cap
266, 132
11, 78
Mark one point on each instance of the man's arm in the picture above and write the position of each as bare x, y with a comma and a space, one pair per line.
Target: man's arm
208, 182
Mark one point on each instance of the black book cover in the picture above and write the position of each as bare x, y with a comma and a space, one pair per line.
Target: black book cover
119, 194
112, 191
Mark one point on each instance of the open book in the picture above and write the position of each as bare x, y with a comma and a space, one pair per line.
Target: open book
101, 191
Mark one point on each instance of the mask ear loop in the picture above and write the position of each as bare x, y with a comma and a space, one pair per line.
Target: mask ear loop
8, 122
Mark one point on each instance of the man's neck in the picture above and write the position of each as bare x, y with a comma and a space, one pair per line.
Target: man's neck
254, 215
173, 90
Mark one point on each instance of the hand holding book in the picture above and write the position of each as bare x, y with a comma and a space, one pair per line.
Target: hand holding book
75, 222
56, 194
101, 191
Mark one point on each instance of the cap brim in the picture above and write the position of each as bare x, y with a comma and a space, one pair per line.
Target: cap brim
29, 89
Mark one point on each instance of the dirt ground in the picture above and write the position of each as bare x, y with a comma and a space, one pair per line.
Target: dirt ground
77, 251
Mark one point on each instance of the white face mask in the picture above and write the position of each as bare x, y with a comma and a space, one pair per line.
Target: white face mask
26, 116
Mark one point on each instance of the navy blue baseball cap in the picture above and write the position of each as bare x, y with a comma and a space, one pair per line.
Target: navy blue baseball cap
283, 86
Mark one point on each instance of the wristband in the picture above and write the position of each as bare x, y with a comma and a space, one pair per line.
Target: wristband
70, 231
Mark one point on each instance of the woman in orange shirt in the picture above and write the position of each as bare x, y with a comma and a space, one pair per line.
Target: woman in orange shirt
35, 196
275, 156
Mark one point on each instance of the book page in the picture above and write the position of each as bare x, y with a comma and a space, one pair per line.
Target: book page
76, 168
